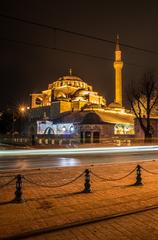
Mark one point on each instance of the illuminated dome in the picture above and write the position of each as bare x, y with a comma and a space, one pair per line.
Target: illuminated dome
60, 95
67, 86
70, 78
81, 93
72, 90
80, 98
70, 81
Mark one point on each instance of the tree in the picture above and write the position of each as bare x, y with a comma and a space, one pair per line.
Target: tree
5, 123
11, 121
143, 98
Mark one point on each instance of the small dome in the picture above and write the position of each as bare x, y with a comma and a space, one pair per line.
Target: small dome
81, 93
80, 98
70, 77
60, 95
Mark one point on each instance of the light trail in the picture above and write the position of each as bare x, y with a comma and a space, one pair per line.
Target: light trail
79, 151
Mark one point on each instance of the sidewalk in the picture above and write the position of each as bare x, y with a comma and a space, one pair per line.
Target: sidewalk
48, 209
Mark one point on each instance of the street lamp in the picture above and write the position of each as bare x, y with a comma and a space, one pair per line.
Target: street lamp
21, 110
13, 121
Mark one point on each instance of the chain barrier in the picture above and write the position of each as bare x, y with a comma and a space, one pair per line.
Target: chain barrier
87, 181
87, 184
148, 171
18, 193
115, 179
8, 183
138, 176
52, 186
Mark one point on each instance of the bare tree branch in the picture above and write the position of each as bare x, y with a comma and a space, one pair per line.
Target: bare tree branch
143, 99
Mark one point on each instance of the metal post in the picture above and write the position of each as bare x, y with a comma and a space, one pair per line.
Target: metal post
18, 192
13, 123
87, 185
33, 140
138, 176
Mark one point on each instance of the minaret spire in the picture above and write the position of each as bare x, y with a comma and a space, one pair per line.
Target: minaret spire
117, 43
70, 71
118, 65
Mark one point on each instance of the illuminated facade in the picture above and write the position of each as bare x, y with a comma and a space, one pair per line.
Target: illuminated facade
73, 102
118, 65
68, 93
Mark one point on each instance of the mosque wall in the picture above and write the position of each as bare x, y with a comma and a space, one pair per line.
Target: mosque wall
59, 107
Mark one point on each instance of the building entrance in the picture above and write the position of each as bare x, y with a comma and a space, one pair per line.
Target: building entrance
87, 137
96, 137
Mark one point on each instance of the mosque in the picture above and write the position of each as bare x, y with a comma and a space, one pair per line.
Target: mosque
71, 109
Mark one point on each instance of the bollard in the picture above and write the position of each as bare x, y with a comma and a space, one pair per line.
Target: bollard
138, 176
87, 185
18, 192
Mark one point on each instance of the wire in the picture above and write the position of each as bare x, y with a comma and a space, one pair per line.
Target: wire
38, 45
76, 33
8, 183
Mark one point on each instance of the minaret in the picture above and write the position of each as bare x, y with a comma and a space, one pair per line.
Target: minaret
118, 65
70, 71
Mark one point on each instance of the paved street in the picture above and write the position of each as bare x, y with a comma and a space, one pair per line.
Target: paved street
37, 159
139, 226
113, 210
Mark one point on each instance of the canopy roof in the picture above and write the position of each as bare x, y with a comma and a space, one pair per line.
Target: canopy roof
96, 117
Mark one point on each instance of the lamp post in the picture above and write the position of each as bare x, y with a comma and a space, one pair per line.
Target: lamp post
13, 122
20, 111
22, 117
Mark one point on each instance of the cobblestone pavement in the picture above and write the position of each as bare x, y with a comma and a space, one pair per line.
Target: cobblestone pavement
142, 226
51, 208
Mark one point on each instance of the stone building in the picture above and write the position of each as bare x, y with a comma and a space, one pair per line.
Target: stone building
68, 93
70, 108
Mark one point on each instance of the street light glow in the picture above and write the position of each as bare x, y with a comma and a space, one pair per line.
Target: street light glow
22, 109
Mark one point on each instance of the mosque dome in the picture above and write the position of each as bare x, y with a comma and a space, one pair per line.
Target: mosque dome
70, 78
68, 83
69, 88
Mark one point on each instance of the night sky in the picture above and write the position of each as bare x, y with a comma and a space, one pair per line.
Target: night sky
26, 69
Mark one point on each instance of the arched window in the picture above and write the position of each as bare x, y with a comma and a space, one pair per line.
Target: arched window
49, 130
39, 101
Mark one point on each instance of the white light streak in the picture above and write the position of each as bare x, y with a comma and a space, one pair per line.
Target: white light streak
79, 151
